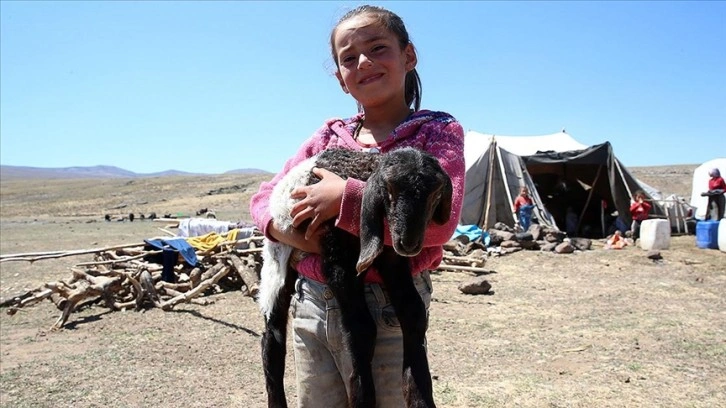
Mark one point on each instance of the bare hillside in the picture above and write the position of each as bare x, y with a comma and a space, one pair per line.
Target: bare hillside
675, 179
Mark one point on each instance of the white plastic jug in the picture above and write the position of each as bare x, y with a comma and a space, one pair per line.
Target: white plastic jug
722, 234
655, 234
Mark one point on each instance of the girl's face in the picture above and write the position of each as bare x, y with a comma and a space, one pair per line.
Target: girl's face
372, 66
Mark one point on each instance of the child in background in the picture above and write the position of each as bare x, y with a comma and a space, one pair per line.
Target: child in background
375, 64
523, 206
639, 210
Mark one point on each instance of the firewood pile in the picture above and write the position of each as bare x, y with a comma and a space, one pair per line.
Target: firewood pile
126, 277
131, 277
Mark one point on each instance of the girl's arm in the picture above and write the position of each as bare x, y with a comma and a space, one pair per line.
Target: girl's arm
260, 202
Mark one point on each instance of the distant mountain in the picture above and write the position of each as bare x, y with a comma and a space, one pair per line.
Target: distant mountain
247, 171
24, 172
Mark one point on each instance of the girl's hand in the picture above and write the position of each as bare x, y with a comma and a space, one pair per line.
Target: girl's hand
320, 201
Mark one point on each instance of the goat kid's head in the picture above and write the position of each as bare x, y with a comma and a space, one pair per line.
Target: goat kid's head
408, 190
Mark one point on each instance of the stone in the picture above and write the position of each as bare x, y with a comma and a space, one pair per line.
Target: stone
550, 246
583, 244
564, 248
475, 286
654, 255
510, 244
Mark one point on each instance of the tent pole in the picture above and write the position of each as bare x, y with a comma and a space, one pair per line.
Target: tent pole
589, 197
485, 217
622, 177
506, 184
681, 217
678, 216
685, 223
602, 218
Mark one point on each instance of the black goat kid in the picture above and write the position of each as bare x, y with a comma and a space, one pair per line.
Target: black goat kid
406, 187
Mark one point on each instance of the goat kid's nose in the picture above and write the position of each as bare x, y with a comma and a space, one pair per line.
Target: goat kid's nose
409, 248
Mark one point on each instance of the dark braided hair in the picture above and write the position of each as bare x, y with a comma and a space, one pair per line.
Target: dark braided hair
393, 23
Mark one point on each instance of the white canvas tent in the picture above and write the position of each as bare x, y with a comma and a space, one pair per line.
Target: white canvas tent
493, 178
700, 184
564, 176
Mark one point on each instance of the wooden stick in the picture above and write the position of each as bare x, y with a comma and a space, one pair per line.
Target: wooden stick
31, 257
468, 260
247, 273
36, 298
166, 231
587, 202
224, 254
113, 261
448, 267
80, 250
169, 304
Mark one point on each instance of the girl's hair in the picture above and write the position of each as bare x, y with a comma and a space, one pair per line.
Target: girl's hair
393, 23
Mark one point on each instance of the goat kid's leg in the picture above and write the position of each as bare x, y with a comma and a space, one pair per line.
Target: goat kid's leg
359, 334
274, 341
411, 313
339, 261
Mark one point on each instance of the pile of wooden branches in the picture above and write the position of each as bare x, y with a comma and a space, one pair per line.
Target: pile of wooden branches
127, 277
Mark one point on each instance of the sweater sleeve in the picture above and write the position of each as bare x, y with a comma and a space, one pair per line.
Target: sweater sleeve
446, 143
260, 201
517, 204
717, 183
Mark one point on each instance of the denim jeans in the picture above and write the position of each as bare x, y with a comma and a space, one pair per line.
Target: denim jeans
322, 363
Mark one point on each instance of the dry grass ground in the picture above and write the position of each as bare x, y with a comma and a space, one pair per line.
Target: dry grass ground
600, 328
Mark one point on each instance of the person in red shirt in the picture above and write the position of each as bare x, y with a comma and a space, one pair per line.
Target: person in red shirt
523, 206
639, 209
716, 188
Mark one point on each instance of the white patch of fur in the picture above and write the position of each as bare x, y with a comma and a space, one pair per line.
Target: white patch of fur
275, 255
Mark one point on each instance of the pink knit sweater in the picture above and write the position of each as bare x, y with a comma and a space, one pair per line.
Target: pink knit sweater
437, 133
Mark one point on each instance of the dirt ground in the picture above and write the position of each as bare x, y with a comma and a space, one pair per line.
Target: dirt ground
599, 328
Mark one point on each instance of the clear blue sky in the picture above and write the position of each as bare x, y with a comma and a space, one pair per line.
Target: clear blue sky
214, 86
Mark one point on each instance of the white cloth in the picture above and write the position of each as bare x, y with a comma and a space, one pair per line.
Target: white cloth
194, 227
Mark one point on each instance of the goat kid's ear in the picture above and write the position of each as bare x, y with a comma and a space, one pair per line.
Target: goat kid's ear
442, 212
371, 223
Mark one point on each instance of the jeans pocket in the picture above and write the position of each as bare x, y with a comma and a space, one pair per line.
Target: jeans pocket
387, 318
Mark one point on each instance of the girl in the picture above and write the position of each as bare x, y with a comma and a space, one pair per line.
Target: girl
375, 64
639, 209
523, 206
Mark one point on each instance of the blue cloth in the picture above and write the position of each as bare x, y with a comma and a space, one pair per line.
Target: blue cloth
472, 232
171, 248
621, 226
525, 216
179, 244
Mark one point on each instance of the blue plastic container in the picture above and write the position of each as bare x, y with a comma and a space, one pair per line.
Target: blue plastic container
707, 234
